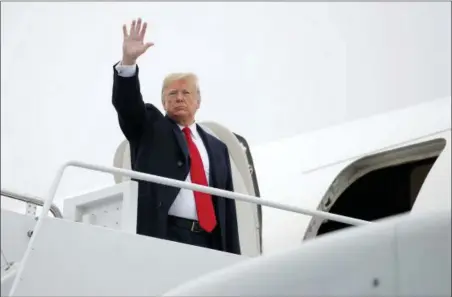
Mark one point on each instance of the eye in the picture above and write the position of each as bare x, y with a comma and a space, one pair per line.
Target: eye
186, 92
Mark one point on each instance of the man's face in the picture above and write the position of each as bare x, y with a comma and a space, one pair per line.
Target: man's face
181, 100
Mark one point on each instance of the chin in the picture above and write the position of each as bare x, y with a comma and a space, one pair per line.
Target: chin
180, 113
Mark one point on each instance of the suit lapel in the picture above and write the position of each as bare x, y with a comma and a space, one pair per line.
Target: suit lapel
180, 138
208, 144
184, 147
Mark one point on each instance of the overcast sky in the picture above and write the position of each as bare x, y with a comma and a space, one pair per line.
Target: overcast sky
267, 71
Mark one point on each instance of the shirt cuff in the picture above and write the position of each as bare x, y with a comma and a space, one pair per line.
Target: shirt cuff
126, 70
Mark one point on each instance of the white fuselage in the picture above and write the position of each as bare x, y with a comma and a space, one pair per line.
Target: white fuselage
300, 170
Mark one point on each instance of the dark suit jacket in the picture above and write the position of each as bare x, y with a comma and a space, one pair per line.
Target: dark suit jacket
158, 146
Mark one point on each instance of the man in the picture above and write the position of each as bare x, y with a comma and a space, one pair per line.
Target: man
173, 146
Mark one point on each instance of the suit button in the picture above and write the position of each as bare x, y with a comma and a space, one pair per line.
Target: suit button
180, 163
159, 204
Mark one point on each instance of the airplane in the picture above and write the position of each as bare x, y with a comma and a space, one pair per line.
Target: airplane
367, 212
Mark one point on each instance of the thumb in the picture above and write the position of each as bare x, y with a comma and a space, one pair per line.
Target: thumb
148, 45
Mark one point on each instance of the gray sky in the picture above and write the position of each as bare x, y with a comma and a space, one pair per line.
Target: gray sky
267, 71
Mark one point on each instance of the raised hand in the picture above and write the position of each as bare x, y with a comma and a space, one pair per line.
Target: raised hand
133, 45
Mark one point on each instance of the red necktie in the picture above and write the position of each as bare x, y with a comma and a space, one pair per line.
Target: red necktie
204, 204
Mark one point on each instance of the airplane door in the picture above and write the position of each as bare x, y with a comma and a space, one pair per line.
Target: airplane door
257, 193
244, 177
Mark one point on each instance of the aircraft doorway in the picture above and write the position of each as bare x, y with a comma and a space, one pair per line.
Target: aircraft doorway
378, 186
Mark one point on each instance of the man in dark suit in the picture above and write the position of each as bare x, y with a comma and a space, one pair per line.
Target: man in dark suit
173, 146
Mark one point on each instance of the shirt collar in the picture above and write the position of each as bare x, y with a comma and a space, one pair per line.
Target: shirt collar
194, 131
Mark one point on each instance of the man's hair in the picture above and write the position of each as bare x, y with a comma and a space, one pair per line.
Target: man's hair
172, 77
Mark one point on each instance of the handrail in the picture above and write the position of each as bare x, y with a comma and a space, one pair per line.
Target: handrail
167, 182
33, 200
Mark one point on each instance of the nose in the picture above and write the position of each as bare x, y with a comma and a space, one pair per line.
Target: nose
179, 96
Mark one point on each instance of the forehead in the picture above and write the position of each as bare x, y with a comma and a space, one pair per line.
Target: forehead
181, 84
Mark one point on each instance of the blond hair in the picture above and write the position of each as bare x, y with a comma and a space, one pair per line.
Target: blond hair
187, 76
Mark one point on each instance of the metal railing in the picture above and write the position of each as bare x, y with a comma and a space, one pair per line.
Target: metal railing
168, 182
32, 200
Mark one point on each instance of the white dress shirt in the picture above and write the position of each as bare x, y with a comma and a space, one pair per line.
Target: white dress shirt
184, 205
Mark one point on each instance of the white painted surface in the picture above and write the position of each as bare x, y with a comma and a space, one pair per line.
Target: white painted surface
402, 256
8, 278
73, 259
313, 160
424, 254
113, 207
436, 190
14, 237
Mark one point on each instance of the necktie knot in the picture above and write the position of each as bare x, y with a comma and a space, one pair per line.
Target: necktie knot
187, 132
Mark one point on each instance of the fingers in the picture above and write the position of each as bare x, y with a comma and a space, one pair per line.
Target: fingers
124, 31
133, 28
143, 31
137, 29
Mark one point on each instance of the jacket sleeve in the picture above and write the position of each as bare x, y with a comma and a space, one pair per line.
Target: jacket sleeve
129, 104
232, 233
